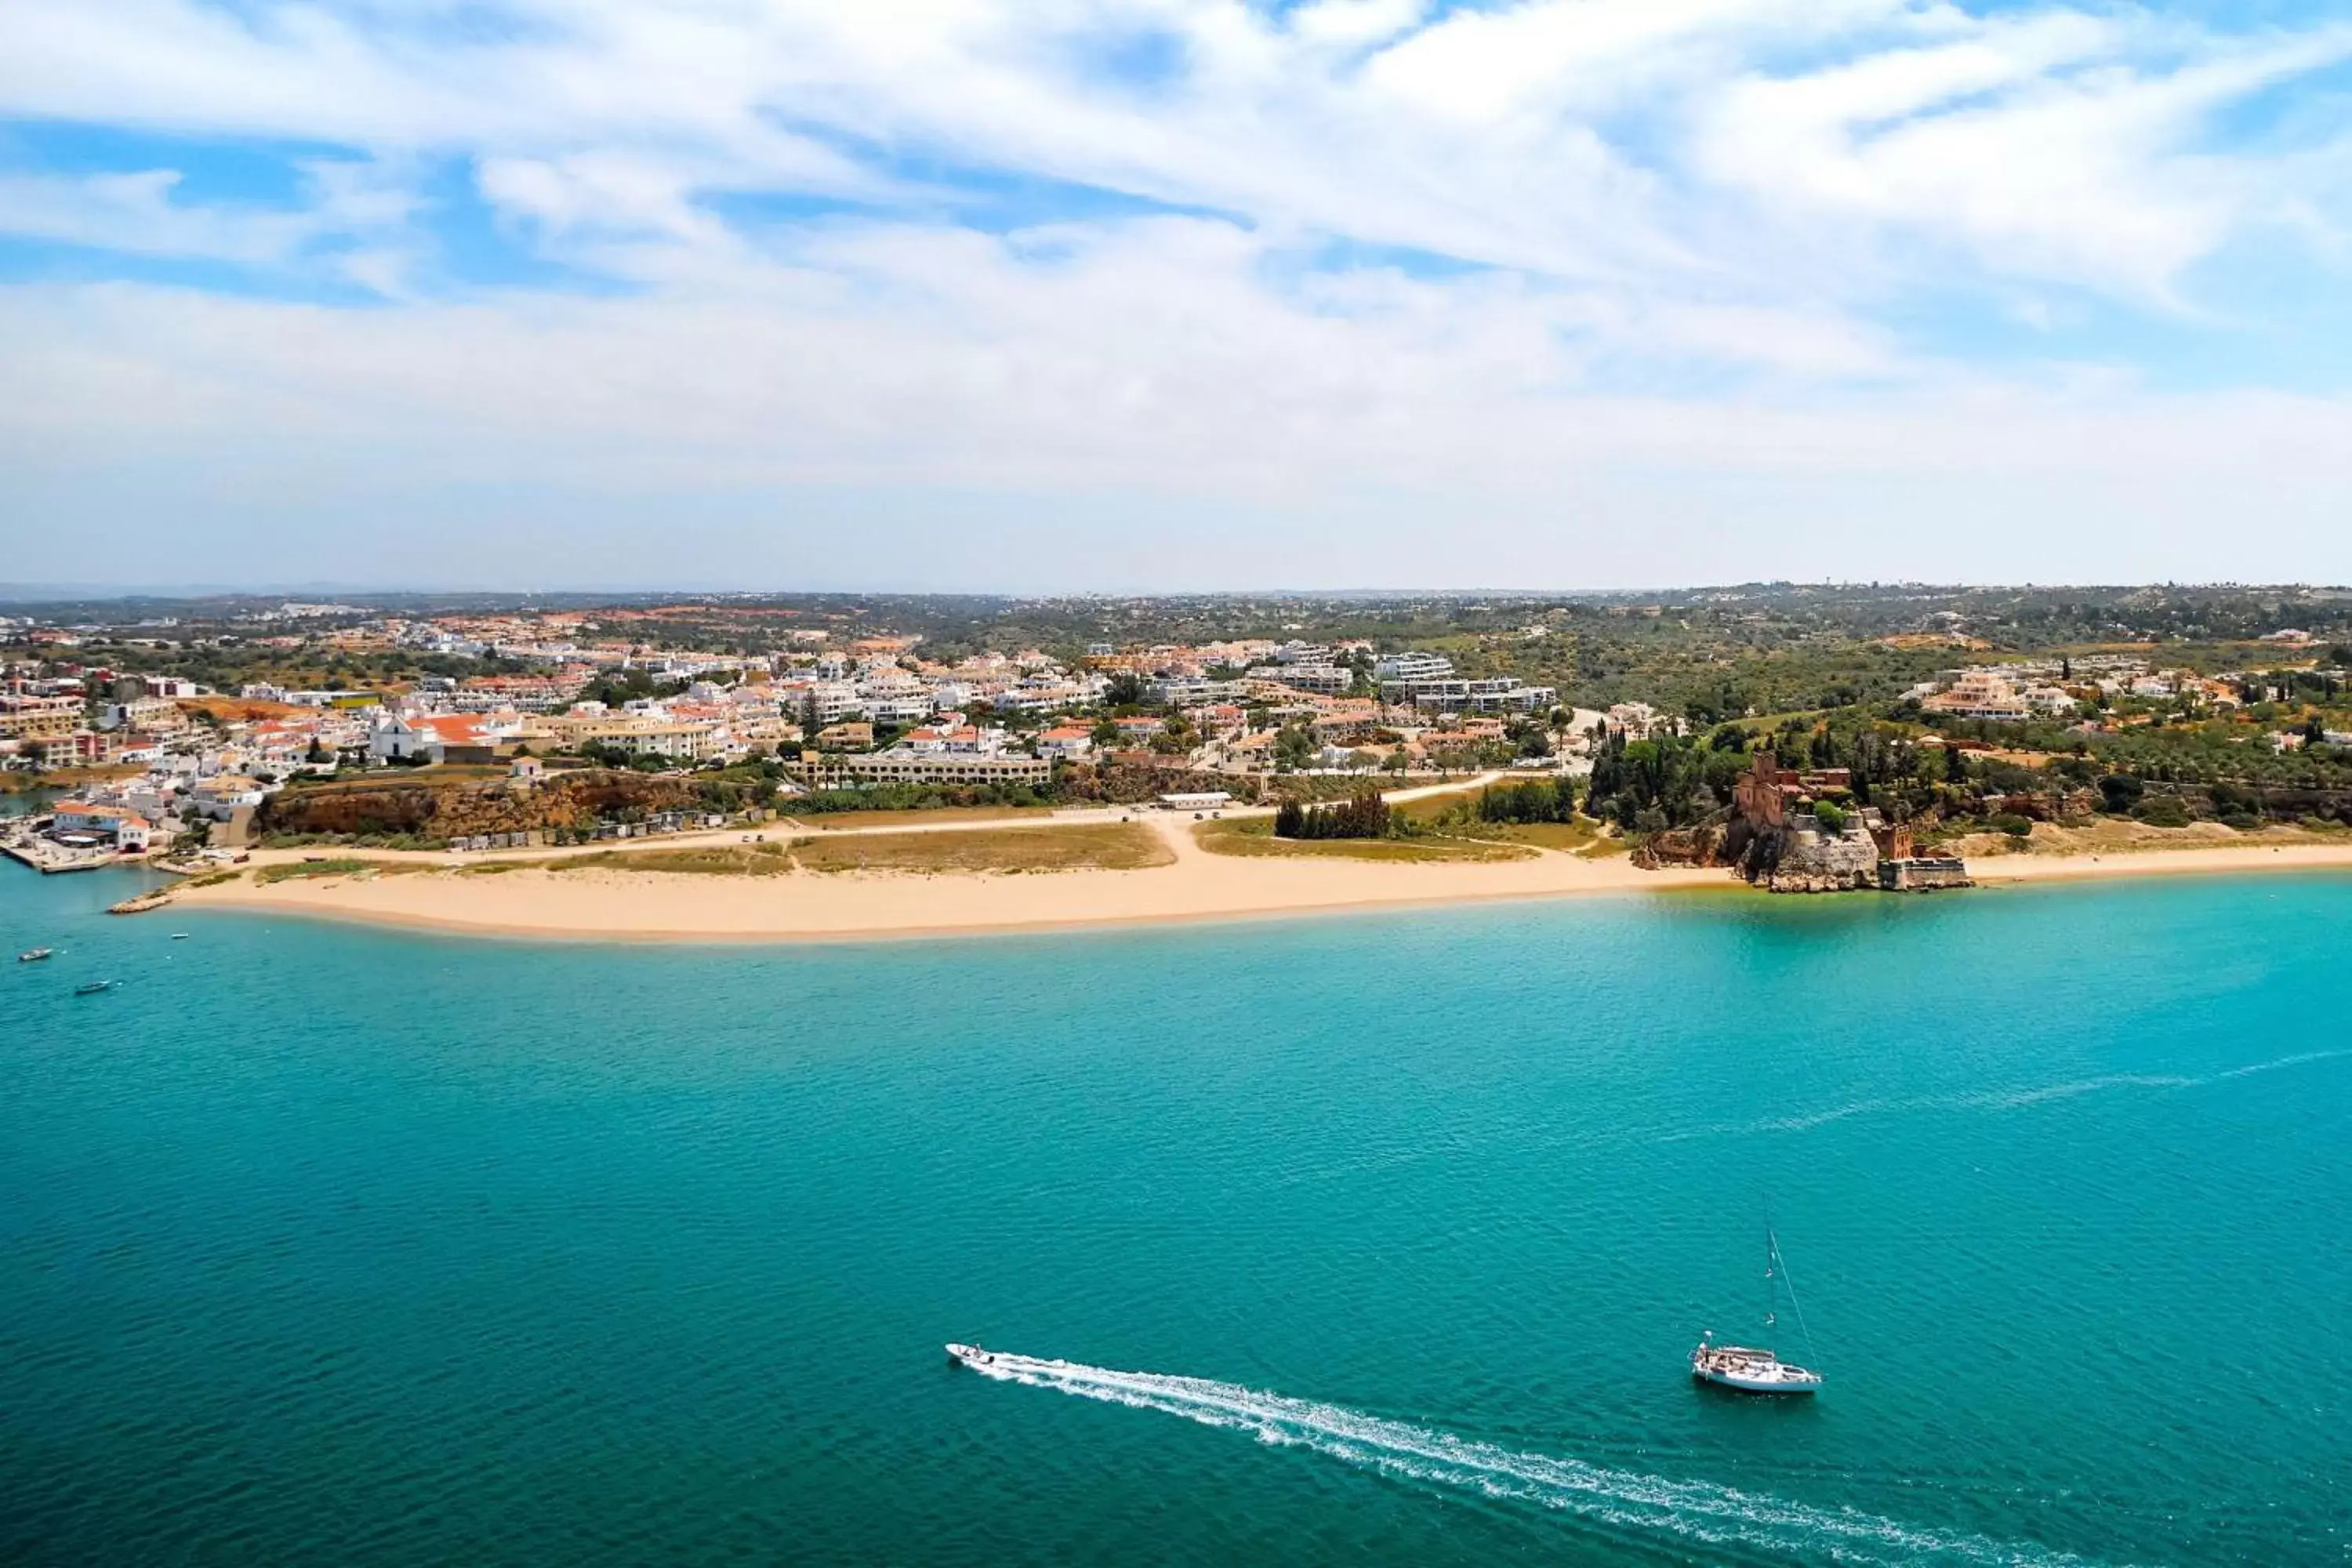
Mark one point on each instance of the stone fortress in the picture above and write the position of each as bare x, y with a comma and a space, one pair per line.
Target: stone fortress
1781, 837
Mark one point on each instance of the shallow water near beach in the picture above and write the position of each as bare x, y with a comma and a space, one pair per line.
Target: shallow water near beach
1378, 1238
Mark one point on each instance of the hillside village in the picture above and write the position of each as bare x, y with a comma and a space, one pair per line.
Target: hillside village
518, 727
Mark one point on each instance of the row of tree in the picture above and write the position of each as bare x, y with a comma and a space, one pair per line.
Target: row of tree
1363, 815
1665, 781
1537, 800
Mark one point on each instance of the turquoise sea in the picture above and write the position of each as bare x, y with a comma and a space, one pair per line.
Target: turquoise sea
325, 1244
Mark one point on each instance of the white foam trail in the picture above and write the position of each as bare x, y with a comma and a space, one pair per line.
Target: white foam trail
1694, 1510
2298, 1059
2001, 1099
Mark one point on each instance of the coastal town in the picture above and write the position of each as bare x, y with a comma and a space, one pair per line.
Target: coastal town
503, 730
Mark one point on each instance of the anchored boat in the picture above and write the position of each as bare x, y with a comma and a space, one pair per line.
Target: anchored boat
35, 956
1759, 1370
94, 987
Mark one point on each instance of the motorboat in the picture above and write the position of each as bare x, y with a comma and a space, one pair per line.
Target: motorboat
1750, 1369
971, 1355
36, 955
92, 988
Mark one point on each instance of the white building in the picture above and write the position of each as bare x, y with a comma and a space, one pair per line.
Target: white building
1453, 694
117, 824
1327, 679
1981, 694
1412, 666
158, 715
900, 765
1204, 800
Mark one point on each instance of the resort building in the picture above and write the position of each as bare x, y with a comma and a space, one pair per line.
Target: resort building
899, 766
1412, 667
1330, 679
1981, 694
681, 741
1454, 694
153, 715
32, 718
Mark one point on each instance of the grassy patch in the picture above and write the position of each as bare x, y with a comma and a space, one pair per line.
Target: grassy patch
1573, 836
1111, 847
1254, 837
1087, 847
1429, 807
711, 860
835, 821
300, 869
1434, 812
213, 878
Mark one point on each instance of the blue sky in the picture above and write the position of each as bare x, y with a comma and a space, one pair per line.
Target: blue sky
1068, 294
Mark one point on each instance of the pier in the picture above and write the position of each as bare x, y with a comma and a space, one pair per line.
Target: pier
48, 857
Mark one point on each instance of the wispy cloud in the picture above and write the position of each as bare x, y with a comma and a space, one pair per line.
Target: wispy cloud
1271, 255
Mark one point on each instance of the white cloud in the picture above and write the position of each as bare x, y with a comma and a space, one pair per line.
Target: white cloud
135, 214
1149, 362
145, 214
1686, 230
1355, 22
1495, 133
2093, 176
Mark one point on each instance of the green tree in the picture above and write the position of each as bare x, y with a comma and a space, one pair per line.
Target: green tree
1363, 815
2121, 792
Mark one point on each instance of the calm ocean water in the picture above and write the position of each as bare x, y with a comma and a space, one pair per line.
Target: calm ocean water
319, 1243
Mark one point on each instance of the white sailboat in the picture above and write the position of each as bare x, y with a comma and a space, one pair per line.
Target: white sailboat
1747, 1368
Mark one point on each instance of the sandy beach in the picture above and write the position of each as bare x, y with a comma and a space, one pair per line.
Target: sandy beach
2227, 859
1195, 885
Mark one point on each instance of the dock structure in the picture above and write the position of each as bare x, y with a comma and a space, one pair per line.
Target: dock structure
48, 859
1923, 873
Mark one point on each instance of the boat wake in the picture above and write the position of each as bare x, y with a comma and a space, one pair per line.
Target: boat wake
2006, 1100
1698, 1511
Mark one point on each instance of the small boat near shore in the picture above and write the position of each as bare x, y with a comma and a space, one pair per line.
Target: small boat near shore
94, 987
1751, 1369
36, 955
